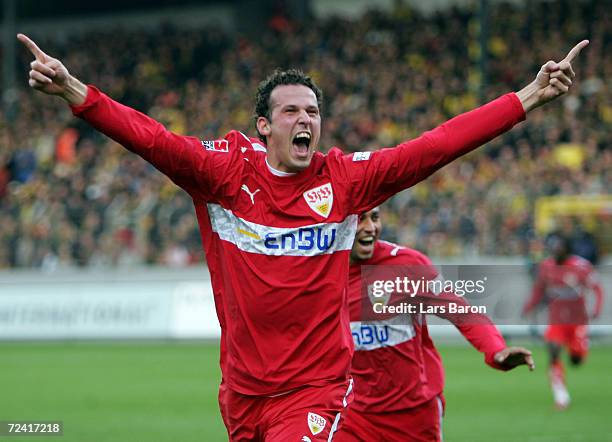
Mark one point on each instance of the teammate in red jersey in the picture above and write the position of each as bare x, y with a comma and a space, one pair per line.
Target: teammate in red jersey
562, 284
277, 222
398, 373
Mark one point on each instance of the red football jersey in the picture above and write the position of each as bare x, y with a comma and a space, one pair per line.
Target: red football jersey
396, 365
563, 288
277, 247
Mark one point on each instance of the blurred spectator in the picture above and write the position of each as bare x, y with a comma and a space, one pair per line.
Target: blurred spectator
583, 244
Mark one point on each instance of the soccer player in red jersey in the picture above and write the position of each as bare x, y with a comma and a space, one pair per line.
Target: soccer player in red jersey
277, 221
562, 284
398, 374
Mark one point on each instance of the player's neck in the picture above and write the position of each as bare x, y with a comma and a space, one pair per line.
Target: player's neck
357, 261
277, 172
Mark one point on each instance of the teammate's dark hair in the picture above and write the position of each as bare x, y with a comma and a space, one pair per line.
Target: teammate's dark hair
279, 78
559, 238
559, 246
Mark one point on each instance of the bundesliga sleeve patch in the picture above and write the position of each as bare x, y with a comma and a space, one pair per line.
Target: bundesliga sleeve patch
216, 145
361, 156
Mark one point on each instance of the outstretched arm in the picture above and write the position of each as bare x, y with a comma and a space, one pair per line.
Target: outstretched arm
484, 336
477, 328
185, 160
376, 176
594, 285
50, 76
130, 128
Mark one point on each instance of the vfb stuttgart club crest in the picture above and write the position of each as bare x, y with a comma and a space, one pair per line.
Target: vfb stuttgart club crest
379, 298
320, 199
316, 423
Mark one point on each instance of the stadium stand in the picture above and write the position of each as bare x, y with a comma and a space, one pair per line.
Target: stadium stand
70, 197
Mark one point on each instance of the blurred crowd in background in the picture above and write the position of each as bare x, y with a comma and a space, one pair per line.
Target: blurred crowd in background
72, 197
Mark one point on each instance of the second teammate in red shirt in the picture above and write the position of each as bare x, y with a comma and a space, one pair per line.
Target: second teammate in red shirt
398, 373
562, 285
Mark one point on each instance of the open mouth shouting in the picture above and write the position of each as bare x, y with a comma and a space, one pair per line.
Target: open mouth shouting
366, 242
301, 144
368, 231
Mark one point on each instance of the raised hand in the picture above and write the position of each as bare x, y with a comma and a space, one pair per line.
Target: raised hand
50, 76
556, 78
511, 357
553, 80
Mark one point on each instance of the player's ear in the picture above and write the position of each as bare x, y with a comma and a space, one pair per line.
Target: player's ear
263, 126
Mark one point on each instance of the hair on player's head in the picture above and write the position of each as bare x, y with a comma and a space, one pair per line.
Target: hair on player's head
280, 78
558, 243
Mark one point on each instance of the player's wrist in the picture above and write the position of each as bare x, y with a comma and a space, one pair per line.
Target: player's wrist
75, 92
530, 96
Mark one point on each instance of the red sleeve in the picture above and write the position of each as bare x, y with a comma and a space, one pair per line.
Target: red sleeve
480, 331
376, 176
593, 284
598, 300
203, 173
477, 328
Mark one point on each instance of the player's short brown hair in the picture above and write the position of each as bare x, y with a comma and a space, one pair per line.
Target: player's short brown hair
280, 78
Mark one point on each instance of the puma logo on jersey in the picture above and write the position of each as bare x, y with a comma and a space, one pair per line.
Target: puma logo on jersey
248, 191
306, 439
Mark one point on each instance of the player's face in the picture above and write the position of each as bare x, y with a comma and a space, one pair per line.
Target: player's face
293, 131
368, 231
559, 249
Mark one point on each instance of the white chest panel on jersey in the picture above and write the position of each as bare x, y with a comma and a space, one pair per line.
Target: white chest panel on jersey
309, 240
372, 335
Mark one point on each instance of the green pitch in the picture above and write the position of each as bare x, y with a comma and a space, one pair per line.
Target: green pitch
167, 392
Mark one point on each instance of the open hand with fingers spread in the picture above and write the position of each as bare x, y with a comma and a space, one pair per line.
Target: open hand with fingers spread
50, 76
553, 80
